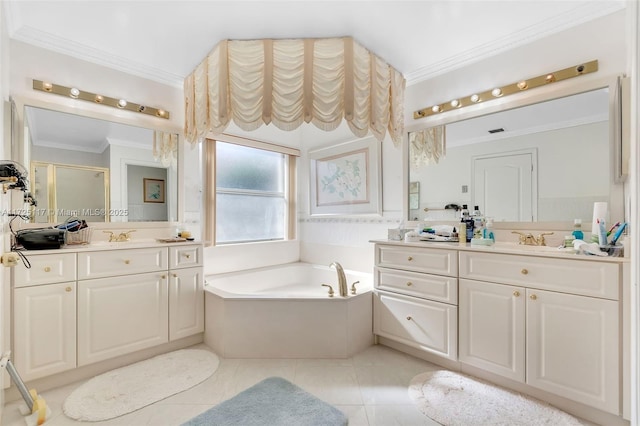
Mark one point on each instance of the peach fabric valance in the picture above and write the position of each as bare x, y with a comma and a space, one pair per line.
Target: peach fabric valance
427, 146
293, 81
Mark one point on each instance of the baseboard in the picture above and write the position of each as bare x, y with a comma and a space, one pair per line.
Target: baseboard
88, 371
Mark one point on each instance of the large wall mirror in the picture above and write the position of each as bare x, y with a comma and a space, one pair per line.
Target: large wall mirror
544, 162
98, 170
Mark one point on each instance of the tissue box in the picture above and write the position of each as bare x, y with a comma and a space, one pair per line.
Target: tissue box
396, 234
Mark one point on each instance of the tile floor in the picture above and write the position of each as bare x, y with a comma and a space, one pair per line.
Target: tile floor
370, 388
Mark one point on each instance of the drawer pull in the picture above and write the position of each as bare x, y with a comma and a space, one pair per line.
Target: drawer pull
175, 275
68, 289
409, 258
188, 256
533, 297
127, 261
47, 269
524, 271
516, 293
409, 318
163, 276
409, 283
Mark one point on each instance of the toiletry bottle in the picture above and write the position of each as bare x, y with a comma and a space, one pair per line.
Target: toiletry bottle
468, 221
478, 223
462, 234
577, 229
487, 232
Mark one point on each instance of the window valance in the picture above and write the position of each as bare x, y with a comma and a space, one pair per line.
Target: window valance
293, 81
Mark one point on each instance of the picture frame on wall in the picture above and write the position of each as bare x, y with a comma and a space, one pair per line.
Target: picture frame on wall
345, 179
153, 190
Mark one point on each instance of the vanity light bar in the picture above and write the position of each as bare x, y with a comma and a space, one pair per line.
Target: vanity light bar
522, 85
76, 93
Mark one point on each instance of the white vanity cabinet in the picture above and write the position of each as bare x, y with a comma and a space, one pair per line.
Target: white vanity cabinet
75, 308
416, 298
44, 306
186, 292
551, 323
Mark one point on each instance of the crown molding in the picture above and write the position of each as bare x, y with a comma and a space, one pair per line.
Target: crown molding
561, 22
77, 50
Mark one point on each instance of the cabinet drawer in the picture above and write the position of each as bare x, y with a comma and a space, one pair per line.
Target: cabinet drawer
185, 256
45, 269
430, 326
434, 261
98, 264
588, 278
433, 287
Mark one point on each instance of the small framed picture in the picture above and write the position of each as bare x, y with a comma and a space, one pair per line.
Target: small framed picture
153, 190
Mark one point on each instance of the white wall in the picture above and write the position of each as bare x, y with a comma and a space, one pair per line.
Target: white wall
138, 209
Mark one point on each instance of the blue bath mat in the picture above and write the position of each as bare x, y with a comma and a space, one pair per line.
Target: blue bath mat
274, 402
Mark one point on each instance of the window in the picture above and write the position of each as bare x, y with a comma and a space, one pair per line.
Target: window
253, 192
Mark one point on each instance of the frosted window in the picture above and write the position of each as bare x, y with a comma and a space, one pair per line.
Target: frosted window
250, 194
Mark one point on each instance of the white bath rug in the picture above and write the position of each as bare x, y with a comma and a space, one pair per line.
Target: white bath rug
451, 398
130, 388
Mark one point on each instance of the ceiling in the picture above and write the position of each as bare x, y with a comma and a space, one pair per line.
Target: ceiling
164, 40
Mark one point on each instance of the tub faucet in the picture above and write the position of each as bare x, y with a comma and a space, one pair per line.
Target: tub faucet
342, 279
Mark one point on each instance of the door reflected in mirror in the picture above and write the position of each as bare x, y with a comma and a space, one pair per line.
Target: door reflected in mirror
96, 169
546, 162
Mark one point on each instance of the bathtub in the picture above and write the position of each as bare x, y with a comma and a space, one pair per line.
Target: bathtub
283, 312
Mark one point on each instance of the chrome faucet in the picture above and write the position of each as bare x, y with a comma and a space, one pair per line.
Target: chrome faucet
342, 279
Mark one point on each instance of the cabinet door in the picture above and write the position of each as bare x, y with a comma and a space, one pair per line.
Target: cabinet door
572, 347
430, 326
121, 315
45, 329
186, 303
492, 327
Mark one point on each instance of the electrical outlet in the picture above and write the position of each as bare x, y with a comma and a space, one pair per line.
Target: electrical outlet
9, 259
465, 189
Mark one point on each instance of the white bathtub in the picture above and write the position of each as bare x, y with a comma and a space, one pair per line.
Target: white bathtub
284, 312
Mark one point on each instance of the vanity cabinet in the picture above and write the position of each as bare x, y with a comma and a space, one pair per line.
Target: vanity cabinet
551, 323
186, 292
416, 298
77, 308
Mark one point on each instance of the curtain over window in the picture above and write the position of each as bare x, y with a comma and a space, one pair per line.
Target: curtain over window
294, 81
427, 146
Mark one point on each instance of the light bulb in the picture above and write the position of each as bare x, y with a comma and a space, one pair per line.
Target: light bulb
435, 108
99, 99
74, 93
550, 78
475, 98
522, 85
122, 103
47, 86
161, 113
497, 92
455, 103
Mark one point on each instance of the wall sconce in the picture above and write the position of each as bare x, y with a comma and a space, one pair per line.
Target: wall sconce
498, 92
75, 93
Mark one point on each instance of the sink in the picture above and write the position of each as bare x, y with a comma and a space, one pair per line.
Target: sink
533, 249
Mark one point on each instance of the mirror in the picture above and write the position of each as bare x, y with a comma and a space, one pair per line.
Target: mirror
544, 162
98, 170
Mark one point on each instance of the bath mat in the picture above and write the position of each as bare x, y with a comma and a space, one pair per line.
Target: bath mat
274, 402
130, 388
455, 399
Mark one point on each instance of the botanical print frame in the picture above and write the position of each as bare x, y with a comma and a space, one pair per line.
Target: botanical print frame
153, 190
344, 179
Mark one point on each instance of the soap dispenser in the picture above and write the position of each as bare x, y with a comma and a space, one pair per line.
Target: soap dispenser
577, 229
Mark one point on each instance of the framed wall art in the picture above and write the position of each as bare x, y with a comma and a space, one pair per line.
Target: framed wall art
345, 179
153, 190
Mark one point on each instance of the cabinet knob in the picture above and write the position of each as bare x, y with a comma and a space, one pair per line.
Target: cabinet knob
188, 256
409, 318
68, 289
127, 261
533, 297
516, 293
409, 283
47, 269
175, 275
163, 276
409, 258
524, 271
